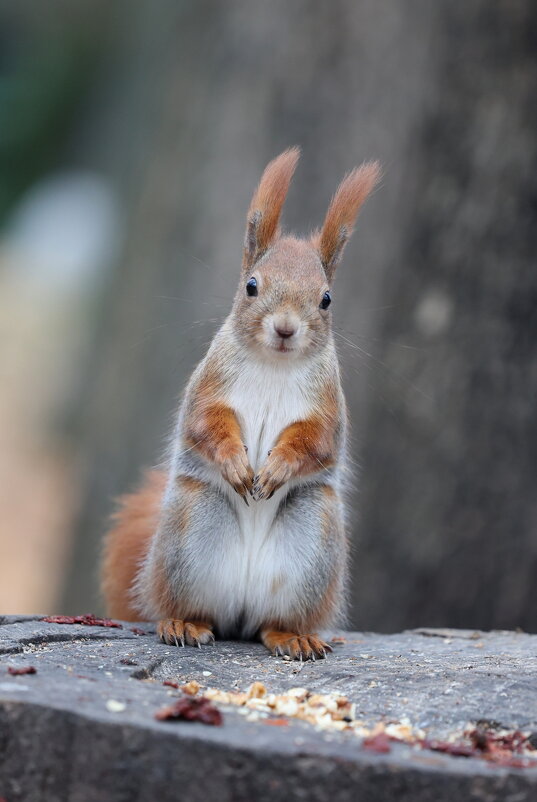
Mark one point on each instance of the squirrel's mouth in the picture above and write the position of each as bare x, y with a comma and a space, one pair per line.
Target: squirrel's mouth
280, 348
283, 348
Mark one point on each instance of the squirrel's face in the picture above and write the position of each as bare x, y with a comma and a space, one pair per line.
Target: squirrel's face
282, 308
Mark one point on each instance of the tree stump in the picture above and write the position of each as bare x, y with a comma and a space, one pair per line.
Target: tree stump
436, 715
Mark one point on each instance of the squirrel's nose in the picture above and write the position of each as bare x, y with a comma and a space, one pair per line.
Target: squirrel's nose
285, 331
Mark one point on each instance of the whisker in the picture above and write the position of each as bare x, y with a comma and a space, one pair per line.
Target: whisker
375, 308
389, 372
379, 340
184, 327
196, 258
190, 301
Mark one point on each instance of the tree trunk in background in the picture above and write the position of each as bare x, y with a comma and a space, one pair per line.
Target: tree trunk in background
204, 96
449, 528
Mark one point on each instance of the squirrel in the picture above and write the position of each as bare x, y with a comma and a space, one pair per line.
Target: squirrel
243, 534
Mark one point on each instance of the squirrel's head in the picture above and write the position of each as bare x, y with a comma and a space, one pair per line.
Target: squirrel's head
282, 306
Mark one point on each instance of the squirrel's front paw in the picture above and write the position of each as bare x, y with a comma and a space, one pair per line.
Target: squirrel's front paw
236, 470
276, 471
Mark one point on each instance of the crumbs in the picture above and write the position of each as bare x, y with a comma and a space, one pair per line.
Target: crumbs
485, 740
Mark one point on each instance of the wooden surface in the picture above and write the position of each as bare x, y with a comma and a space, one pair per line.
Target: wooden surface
83, 727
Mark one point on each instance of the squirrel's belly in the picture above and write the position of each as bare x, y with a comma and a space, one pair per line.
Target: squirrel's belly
250, 577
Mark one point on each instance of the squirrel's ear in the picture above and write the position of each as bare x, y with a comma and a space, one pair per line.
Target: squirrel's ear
266, 206
342, 213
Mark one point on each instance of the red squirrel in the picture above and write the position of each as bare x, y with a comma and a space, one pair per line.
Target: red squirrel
243, 534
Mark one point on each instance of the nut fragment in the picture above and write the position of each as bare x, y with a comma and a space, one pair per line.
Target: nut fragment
191, 688
256, 691
298, 693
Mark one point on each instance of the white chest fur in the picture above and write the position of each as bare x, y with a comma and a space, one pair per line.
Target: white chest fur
266, 399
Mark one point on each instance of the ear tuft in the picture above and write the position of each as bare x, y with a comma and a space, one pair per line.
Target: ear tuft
342, 213
266, 206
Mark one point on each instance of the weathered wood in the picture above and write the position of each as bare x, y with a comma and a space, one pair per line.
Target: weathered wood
82, 728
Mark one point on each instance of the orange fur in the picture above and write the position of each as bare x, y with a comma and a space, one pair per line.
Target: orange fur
189, 484
342, 213
298, 647
267, 202
308, 444
160, 591
189, 489
328, 603
326, 515
213, 429
176, 630
128, 542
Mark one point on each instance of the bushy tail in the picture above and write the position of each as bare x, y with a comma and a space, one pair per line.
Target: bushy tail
127, 543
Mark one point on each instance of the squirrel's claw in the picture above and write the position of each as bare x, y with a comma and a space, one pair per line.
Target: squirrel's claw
274, 474
238, 472
175, 631
297, 647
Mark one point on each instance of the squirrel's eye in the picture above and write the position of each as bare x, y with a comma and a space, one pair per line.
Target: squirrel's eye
251, 287
327, 300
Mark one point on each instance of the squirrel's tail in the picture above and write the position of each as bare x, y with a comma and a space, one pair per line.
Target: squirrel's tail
127, 543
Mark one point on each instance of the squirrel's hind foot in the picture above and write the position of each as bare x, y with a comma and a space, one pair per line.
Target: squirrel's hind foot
176, 632
297, 647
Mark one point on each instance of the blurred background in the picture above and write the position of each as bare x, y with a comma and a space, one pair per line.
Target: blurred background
132, 135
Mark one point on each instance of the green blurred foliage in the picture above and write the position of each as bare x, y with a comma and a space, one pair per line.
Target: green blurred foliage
43, 81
